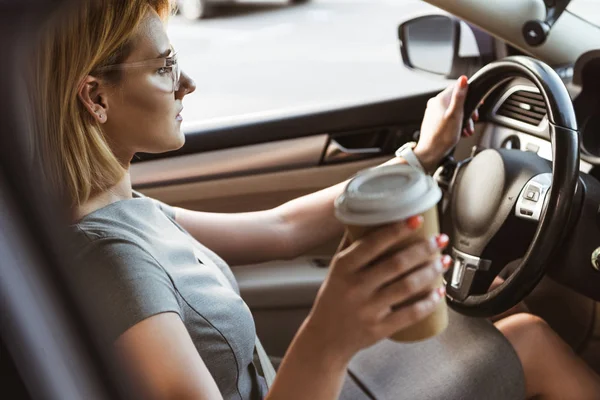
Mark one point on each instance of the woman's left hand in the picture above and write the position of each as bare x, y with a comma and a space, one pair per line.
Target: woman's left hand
442, 124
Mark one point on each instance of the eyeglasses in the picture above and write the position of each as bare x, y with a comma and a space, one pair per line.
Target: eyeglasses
167, 67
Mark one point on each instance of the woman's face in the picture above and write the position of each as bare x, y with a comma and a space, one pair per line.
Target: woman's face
141, 113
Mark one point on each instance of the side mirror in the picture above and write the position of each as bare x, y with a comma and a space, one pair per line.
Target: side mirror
444, 45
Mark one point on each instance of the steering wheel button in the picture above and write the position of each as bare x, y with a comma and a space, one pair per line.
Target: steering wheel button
527, 212
533, 195
530, 202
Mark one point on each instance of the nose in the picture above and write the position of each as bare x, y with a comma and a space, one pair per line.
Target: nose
186, 85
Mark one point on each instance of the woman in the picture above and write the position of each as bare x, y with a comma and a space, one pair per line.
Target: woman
108, 86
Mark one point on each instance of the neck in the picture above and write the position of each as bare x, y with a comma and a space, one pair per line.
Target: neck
121, 191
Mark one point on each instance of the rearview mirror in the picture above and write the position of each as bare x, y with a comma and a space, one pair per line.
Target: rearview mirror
444, 45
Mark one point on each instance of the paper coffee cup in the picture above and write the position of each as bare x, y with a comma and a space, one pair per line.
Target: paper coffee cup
388, 194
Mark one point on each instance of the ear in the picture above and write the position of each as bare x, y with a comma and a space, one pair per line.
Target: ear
93, 98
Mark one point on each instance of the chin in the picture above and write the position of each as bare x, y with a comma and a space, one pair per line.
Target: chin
164, 143
181, 139
177, 141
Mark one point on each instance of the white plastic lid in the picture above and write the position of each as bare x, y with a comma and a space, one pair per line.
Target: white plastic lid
386, 194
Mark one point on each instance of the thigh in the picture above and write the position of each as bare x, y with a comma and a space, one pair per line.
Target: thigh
551, 367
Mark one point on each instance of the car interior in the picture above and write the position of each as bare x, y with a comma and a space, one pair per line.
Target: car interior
522, 200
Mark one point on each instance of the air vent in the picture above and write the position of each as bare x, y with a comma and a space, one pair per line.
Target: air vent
524, 106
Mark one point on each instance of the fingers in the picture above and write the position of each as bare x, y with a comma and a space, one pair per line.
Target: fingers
459, 95
375, 244
469, 130
402, 262
345, 242
497, 282
408, 315
413, 285
443, 98
446, 95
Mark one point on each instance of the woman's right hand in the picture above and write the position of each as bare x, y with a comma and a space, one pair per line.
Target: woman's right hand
353, 309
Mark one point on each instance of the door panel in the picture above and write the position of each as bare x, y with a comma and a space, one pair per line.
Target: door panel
277, 328
253, 165
255, 191
240, 161
281, 284
280, 295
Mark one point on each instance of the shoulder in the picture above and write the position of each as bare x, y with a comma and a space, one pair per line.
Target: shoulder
135, 221
168, 210
125, 283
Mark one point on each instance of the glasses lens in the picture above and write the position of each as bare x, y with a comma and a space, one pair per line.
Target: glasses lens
176, 75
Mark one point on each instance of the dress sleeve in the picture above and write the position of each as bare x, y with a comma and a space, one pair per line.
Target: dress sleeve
123, 284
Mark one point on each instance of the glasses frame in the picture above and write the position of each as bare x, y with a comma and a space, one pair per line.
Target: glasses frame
166, 62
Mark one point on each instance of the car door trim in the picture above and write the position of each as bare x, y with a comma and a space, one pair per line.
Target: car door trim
267, 157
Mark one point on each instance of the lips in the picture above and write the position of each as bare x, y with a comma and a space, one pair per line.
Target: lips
178, 117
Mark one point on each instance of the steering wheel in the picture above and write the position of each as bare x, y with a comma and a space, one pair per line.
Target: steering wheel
497, 197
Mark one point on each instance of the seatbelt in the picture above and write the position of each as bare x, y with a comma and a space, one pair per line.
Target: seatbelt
265, 363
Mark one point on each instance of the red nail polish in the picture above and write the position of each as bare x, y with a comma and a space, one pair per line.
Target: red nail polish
414, 222
442, 240
441, 291
446, 262
463, 82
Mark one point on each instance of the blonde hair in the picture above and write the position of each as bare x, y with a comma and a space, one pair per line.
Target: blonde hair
68, 144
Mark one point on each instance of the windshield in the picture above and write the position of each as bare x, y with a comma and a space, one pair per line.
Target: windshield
588, 10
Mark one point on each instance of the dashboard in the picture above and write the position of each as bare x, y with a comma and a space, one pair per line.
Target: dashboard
516, 114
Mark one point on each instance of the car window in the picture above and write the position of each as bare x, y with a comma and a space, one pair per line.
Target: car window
276, 57
586, 9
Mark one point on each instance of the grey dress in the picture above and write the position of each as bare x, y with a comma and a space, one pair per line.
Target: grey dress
150, 265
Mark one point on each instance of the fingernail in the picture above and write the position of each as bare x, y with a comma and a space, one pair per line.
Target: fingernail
442, 240
414, 222
441, 291
446, 262
463, 82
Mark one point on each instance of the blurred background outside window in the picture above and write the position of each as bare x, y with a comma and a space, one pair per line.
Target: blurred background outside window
275, 56
285, 57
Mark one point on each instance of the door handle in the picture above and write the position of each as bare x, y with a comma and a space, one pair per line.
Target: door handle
336, 152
